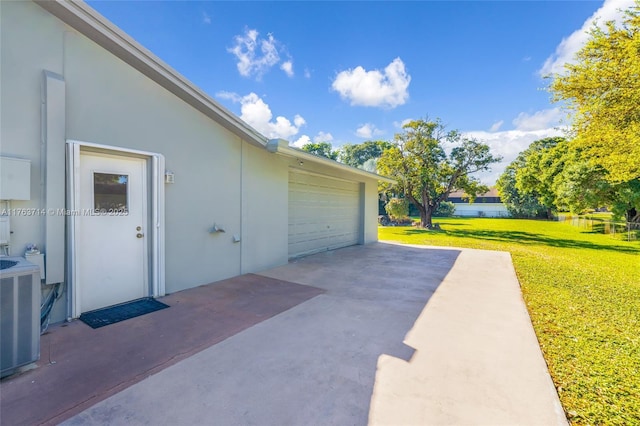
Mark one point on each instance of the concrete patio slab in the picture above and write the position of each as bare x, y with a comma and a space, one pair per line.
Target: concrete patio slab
402, 335
80, 366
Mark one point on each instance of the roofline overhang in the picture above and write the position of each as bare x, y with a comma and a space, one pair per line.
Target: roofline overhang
281, 146
87, 21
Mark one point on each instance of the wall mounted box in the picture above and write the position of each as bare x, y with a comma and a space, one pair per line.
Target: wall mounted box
15, 179
38, 260
5, 230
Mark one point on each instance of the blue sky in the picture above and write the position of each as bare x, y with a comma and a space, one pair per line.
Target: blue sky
346, 72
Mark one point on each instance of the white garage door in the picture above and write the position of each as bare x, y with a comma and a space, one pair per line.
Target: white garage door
324, 213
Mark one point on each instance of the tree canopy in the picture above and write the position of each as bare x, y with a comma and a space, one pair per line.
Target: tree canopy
425, 173
554, 174
543, 180
356, 155
543, 161
323, 149
518, 204
602, 91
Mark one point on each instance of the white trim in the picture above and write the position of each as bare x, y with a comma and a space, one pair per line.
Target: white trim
157, 225
73, 173
156, 217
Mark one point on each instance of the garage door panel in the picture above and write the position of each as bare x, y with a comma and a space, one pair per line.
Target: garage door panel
324, 213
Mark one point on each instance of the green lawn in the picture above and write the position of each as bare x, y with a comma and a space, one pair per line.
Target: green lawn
582, 290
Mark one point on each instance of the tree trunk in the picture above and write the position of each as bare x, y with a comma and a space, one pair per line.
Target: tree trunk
549, 214
425, 218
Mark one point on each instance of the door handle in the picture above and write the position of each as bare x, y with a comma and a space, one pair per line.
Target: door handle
139, 235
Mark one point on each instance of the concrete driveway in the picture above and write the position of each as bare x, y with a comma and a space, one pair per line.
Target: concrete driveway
400, 335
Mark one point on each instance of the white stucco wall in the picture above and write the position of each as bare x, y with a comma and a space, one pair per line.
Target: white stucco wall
218, 177
111, 103
264, 209
481, 209
24, 53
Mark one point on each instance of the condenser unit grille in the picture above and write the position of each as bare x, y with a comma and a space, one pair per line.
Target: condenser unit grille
19, 318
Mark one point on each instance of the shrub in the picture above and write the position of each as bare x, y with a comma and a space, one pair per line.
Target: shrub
397, 208
445, 209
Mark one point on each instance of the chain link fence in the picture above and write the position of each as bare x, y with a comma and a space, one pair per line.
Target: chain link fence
629, 231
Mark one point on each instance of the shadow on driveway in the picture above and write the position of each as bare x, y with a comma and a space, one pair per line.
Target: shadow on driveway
312, 364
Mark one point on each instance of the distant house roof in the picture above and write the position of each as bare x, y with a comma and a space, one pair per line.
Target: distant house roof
491, 196
493, 192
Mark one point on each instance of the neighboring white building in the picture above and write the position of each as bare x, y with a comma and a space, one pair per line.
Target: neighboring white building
485, 205
106, 125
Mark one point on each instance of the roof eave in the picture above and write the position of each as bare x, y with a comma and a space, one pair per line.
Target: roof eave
90, 23
281, 146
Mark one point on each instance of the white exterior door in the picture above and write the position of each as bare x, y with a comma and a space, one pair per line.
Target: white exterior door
324, 213
112, 263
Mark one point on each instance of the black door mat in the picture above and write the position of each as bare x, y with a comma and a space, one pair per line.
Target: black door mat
112, 314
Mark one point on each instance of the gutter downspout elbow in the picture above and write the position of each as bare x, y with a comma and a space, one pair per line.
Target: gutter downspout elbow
274, 144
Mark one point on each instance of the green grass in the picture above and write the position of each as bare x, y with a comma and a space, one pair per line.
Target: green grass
583, 294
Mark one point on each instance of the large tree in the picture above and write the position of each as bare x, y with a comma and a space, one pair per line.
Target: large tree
582, 185
602, 91
537, 170
356, 155
554, 174
425, 173
323, 149
550, 175
518, 204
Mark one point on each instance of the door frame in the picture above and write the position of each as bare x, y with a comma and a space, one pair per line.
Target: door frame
155, 216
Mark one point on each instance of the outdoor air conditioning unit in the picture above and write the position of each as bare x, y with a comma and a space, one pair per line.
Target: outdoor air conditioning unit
19, 314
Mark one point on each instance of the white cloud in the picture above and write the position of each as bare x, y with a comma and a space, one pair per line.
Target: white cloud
540, 120
496, 126
374, 88
569, 46
255, 55
287, 67
206, 18
307, 73
301, 141
508, 144
401, 124
229, 95
298, 120
367, 130
258, 115
323, 137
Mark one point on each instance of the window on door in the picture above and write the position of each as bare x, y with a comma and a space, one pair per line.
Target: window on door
110, 193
